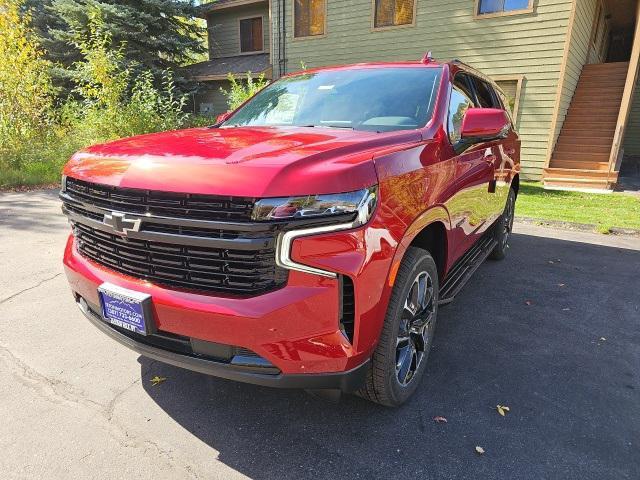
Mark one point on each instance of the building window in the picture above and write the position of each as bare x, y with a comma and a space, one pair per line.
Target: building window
251, 39
309, 17
393, 13
511, 88
503, 7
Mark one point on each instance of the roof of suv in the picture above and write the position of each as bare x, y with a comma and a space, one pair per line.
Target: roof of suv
426, 63
354, 66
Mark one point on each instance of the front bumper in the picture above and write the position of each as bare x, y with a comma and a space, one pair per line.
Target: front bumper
295, 328
348, 381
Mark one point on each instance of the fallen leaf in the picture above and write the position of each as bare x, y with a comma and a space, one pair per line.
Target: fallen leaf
502, 410
439, 419
550, 262
527, 302
157, 380
480, 450
602, 339
561, 284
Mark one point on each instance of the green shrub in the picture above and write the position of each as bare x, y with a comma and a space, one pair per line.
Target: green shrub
109, 102
25, 85
241, 90
198, 121
113, 103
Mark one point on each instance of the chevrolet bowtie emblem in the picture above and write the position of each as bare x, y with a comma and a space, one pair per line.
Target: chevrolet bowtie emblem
120, 223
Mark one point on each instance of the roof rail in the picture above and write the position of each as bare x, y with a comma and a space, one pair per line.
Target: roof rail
472, 69
457, 60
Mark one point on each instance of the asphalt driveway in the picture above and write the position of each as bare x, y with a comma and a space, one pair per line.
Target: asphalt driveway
552, 332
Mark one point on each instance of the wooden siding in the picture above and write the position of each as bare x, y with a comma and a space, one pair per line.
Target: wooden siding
632, 133
224, 29
577, 53
529, 44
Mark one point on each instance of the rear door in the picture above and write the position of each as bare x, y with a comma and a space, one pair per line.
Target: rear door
471, 207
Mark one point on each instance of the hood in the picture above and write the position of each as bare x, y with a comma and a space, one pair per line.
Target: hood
241, 161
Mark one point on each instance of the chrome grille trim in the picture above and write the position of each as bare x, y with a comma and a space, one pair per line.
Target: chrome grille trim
230, 257
200, 241
185, 222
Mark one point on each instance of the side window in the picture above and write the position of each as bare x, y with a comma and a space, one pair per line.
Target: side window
459, 103
462, 82
485, 94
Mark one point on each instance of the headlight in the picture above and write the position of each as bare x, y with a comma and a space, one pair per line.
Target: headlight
341, 211
358, 205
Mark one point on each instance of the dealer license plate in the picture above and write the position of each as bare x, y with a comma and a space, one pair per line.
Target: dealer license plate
126, 308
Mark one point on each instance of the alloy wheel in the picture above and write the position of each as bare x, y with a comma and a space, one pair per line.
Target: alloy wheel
415, 331
508, 220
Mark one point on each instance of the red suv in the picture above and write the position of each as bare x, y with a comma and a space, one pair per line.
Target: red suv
305, 240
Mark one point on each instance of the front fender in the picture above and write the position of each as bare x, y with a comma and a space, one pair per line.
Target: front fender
434, 214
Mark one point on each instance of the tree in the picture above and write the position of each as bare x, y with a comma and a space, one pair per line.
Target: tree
155, 35
25, 87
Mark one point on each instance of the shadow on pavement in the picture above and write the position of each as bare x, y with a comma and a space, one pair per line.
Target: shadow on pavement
552, 332
36, 212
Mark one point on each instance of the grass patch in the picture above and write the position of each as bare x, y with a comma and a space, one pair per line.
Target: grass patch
605, 211
30, 175
38, 163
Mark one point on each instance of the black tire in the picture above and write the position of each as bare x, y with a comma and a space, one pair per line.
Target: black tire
503, 227
384, 384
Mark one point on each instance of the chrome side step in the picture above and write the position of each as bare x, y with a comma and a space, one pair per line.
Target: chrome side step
463, 269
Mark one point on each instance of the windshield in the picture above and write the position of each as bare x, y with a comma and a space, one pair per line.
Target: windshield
372, 99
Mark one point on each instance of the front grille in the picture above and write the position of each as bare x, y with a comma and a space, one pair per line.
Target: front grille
221, 270
183, 205
177, 246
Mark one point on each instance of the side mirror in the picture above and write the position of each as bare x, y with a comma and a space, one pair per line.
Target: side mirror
484, 123
222, 117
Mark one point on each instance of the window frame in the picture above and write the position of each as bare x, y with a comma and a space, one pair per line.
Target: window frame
516, 104
474, 104
495, 98
522, 11
307, 37
392, 27
250, 52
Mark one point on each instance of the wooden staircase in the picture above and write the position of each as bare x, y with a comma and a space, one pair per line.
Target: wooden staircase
581, 156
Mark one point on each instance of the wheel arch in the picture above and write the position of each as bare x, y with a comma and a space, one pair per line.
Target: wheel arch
433, 238
430, 231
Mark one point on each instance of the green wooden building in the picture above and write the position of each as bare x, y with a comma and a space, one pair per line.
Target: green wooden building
569, 66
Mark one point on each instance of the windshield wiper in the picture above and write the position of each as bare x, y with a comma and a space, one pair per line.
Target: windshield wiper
326, 126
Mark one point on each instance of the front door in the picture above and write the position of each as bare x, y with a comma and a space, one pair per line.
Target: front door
472, 208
